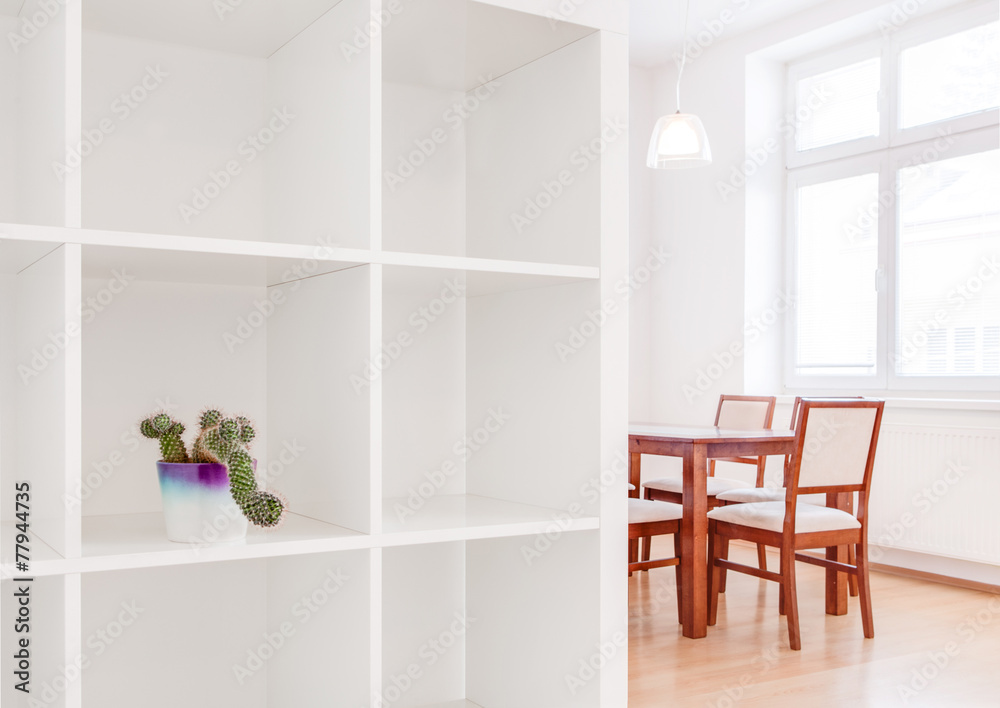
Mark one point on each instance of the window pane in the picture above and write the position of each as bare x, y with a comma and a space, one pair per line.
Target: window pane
838, 105
949, 77
949, 268
837, 308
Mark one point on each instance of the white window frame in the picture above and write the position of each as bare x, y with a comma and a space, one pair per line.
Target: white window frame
968, 143
893, 149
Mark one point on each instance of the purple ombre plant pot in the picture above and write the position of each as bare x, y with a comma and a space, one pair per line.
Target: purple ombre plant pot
197, 504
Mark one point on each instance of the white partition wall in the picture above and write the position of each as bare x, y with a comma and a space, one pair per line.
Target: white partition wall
386, 231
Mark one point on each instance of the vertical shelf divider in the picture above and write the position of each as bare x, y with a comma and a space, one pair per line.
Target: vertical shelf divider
614, 370
73, 117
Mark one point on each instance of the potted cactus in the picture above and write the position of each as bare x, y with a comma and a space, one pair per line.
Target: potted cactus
210, 493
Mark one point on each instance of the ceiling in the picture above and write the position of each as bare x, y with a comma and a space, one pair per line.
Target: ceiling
655, 25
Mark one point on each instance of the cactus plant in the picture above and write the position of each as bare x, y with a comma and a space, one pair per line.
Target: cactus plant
226, 441
162, 427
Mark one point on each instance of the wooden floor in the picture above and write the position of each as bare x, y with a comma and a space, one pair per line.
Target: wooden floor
745, 660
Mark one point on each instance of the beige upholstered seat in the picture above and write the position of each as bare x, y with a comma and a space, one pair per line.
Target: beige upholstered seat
714, 485
751, 495
643, 511
770, 516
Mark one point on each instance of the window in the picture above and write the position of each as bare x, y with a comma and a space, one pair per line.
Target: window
894, 210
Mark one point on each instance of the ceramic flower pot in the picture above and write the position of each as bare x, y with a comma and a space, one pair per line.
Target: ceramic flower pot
197, 505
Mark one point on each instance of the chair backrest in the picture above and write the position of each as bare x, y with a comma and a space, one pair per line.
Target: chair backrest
745, 412
835, 445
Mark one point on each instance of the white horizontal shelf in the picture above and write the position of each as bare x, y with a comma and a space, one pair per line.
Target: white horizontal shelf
457, 517
453, 704
126, 541
231, 261
130, 541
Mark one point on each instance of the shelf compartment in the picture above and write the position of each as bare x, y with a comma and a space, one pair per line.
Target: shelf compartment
248, 125
455, 612
488, 394
40, 332
36, 116
258, 633
281, 355
485, 139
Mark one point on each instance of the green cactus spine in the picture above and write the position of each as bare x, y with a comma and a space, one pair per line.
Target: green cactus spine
162, 427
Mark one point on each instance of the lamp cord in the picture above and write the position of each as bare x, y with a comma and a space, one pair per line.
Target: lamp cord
680, 70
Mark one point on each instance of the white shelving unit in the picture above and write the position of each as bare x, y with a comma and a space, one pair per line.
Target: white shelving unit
327, 215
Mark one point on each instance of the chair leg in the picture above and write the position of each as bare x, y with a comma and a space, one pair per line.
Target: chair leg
761, 556
781, 598
714, 574
647, 542
677, 575
724, 554
852, 580
633, 552
791, 602
865, 590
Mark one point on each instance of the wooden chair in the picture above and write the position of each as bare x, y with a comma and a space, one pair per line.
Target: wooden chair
834, 454
734, 413
760, 493
650, 518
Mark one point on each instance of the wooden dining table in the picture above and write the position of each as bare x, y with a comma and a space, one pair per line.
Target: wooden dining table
695, 446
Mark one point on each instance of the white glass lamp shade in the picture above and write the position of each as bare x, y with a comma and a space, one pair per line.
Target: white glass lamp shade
678, 141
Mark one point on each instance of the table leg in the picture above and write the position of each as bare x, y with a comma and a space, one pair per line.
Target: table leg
634, 472
836, 582
694, 545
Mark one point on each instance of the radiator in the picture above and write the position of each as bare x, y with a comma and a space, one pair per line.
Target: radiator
936, 490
